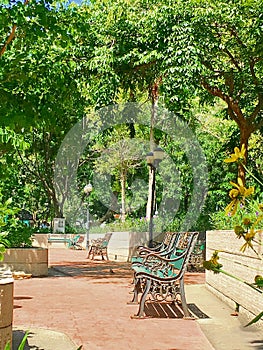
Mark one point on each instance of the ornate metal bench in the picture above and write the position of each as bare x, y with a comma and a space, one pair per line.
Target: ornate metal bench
99, 246
75, 242
197, 257
164, 248
161, 279
160, 247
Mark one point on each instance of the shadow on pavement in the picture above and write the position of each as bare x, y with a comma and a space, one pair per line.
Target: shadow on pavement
92, 270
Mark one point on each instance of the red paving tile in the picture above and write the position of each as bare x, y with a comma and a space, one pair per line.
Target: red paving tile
87, 300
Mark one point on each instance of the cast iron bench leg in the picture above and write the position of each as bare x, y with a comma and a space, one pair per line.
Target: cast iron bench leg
141, 312
89, 252
183, 300
136, 291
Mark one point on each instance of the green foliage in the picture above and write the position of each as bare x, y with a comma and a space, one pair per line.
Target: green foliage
74, 229
19, 235
245, 215
42, 230
13, 232
213, 263
255, 319
5, 211
130, 224
67, 60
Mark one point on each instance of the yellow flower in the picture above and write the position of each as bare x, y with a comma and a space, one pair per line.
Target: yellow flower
213, 263
233, 193
240, 189
249, 236
259, 280
238, 156
246, 245
246, 221
237, 194
239, 231
232, 207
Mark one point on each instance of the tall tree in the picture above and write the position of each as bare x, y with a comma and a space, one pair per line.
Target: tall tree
218, 45
40, 97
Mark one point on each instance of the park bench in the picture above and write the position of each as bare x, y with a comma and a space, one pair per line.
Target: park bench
164, 248
99, 246
73, 243
197, 257
161, 279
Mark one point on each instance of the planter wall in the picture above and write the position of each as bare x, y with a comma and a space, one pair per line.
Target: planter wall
27, 260
242, 265
6, 311
40, 240
122, 245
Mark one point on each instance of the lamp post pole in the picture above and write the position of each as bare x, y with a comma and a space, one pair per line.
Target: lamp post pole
153, 159
87, 190
153, 170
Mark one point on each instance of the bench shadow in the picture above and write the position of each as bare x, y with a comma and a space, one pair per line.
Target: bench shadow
171, 310
15, 306
22, 298
257, 344
106, 269
92, 269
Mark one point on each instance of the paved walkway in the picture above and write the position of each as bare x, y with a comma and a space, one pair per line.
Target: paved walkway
84, 303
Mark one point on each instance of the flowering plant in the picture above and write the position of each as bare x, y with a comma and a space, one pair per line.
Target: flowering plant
247, 226
241, 201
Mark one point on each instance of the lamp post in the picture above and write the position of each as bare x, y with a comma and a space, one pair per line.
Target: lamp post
153, 160
87, 190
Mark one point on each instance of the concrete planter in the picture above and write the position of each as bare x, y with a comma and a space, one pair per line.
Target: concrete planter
27, 260
40, 240
122, 245
6, 314
245, 266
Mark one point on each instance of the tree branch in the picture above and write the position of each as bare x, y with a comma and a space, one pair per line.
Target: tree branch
9, 39
233, 107
233, 60
11, 35
252, 71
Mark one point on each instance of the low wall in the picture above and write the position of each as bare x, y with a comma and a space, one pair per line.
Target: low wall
6, 311
27, 260
245, 266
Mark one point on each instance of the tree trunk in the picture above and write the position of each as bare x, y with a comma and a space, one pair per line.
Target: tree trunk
247, 125
245, 132
57, 210
112, 208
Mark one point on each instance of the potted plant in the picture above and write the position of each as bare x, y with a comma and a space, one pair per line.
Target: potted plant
19, 254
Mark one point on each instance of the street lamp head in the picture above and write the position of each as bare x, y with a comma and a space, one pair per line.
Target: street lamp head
158, 154
88, 188
150, 158
154, 158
